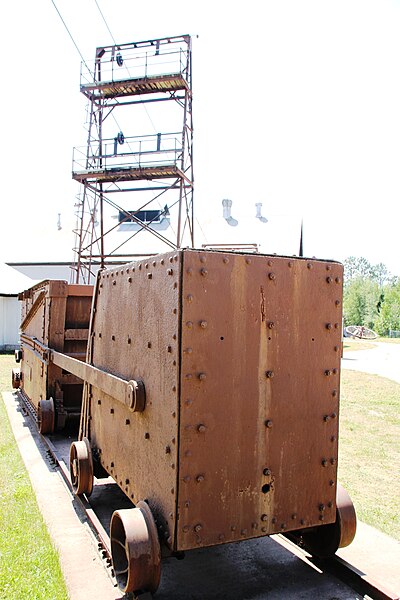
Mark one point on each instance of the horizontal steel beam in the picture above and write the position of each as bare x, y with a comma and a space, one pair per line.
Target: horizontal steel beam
131, 393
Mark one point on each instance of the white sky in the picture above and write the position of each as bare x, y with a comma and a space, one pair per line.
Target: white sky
296, 105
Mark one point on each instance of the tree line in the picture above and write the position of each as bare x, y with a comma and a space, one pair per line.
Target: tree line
371, 296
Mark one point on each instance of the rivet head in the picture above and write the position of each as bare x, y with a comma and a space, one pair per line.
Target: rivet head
337, 279
266, 472
203, 272
264, 517
268, 423
327, 418
271, 325
328, 372
225, 260
294, 516
189, 298
170, 271
130, 279
149, 275
189, 324
264, 529
185, 529
186, 479
197, 528
334, 393
336, 348
324, 462
309, 266
330, 504
167, 449
203, 324
328, 325
331, 483
200, 478
202, 376
269, 374
333, 461
290, 264
329, 280
271, 276
201, 428
322, 507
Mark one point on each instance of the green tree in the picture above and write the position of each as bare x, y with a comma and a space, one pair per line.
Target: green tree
360, 302
389, 315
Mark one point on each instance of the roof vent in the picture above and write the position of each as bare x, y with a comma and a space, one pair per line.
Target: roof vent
227, 205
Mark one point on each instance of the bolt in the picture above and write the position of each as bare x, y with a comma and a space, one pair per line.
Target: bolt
329, 280
329, 325
226, 260
333, 461
334, 393
203, 324
328, 372
267, 472
331, 483
201, 428
203, 272
337, 302
271, 276
330, 504
202, 376
333, 415
264, 529
321, 517
268, 423
333, 438
189, 298
200, 478
189, 324
337, 280
264, 517
290, 264
271, 325
336, 348
294, 516
322, 507
324, 462
327, 418
309, 266
197, 528
269, 374
248, 261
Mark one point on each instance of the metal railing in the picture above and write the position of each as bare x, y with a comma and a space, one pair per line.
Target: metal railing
131, 152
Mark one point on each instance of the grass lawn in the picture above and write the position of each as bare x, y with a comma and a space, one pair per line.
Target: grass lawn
29, 566
369, 448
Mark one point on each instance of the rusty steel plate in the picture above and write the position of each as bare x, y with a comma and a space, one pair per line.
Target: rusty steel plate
260, 360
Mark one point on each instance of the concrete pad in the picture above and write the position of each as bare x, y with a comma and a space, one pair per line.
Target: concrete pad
375, 554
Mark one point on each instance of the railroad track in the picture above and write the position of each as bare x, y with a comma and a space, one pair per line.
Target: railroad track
98, 513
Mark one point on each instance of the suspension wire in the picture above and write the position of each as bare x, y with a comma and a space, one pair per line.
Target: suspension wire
105, 23
70, 35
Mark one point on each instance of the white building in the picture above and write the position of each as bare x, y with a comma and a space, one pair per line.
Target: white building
11, 283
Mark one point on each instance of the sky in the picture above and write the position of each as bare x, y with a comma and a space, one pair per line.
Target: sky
296, 105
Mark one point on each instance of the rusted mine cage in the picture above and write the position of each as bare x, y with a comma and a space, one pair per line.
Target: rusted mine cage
212, 398
54, 315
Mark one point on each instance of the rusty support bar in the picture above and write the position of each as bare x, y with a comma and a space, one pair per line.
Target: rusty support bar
131, 393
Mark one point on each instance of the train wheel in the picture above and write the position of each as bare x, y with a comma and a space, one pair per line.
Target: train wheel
81, 467
135, 549
46, 416
16, 378
324, 541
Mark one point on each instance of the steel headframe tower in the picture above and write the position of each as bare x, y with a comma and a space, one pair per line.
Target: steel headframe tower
129, 170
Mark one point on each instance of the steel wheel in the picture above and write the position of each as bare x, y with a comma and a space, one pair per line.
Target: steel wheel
46, 416
135, 549
325, 540
81, 467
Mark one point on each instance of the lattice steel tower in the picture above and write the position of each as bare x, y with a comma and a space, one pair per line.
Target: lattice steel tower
135, 178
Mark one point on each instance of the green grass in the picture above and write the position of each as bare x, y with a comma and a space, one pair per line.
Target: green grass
369, 448
29, 565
